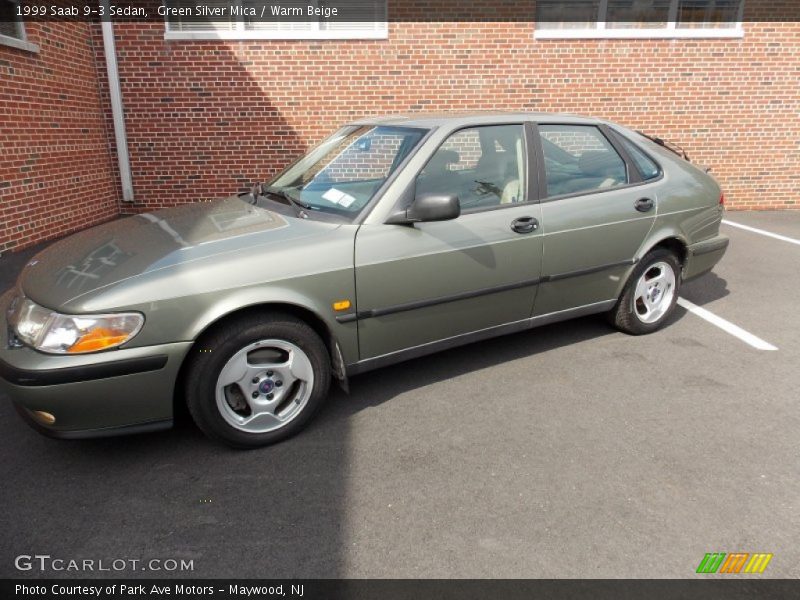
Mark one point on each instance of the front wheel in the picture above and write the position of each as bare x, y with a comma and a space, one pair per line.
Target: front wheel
650, 295
258, 380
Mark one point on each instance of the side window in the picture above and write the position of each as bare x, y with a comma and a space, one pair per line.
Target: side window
646, 166
467, 146
483, 166
579, 158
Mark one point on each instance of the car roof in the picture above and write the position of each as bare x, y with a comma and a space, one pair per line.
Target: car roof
463, 119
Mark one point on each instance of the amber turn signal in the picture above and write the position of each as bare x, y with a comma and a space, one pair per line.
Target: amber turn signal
341, 305
97, 339
45, 418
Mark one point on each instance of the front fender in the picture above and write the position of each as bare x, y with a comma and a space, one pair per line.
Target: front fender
276, 296
185, 318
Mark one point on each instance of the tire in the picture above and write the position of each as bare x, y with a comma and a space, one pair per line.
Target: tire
635, 312
257, 380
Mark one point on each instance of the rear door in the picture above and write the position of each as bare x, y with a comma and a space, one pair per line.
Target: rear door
437, 281
596, 213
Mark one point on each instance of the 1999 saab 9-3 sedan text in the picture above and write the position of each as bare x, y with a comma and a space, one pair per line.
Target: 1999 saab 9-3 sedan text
394, 238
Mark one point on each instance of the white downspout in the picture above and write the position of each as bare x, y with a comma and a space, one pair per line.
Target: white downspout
117, 111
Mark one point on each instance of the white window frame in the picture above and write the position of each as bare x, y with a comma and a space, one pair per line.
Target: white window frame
671, 31
21, 40
380, 32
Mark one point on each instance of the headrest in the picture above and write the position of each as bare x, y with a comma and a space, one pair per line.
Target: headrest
442, 158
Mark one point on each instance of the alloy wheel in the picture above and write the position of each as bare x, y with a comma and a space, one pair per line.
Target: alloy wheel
654, 292
264, 386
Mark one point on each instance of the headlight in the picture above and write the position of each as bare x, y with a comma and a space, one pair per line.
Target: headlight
55, 333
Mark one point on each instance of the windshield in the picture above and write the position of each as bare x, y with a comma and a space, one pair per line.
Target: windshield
341, 175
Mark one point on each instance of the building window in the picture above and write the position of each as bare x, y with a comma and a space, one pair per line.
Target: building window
638, 18
371, 23
10, 24
12, 29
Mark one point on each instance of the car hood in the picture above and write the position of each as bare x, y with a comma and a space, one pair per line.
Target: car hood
131, 247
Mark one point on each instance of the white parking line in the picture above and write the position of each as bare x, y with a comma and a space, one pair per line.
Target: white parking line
762, 232
734, 330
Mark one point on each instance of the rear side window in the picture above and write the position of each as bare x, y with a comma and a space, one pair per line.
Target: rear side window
579, 158
647, 168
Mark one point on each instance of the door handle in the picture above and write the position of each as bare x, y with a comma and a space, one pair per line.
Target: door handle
643, 204
524, 224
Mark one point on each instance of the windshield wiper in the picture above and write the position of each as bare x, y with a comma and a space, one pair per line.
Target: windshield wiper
299, 205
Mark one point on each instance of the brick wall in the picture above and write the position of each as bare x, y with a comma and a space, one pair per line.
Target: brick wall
56, 175
208, 118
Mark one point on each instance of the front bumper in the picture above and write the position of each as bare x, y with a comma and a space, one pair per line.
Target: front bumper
80, 434
90, 395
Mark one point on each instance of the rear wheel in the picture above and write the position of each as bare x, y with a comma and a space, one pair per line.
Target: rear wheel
257, 380
650, 295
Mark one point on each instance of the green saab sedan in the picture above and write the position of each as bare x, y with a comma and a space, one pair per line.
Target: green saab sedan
394, 238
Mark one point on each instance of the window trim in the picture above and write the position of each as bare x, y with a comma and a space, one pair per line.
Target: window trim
21, 42
381, 32
630, 166
671, 31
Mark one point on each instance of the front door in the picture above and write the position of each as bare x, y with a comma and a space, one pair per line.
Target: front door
436, 281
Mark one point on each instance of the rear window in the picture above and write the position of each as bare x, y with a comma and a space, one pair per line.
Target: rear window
647, 168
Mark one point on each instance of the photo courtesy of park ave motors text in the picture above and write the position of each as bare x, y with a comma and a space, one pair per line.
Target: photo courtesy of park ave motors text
388, 290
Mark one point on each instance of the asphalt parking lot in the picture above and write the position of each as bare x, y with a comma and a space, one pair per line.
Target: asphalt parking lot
568, 451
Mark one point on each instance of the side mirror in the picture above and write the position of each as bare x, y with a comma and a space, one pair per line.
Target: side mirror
429, 207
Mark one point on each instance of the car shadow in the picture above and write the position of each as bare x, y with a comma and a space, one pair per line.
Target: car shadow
376, 387
379, 386
11, 264
705, 289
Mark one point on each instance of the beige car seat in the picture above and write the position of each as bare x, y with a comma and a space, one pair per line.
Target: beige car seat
512, 191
